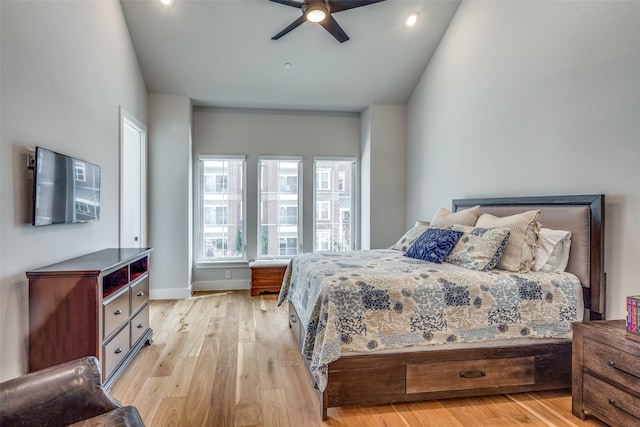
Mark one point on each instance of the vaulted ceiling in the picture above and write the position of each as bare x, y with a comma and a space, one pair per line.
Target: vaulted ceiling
220, 52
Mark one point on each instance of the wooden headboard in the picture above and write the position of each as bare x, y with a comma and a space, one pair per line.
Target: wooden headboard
582, 215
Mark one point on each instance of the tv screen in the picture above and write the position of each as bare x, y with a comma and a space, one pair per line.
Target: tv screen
66, 190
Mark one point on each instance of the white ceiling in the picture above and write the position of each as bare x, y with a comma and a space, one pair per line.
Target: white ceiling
220, 52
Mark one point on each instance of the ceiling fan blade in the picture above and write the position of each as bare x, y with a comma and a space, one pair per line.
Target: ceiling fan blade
331, 25
291, 26
340, 5
288, 3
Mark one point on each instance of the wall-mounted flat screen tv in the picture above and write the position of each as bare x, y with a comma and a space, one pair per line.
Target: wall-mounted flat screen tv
65, 190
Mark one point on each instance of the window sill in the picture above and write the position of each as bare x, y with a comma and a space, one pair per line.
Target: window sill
241, 263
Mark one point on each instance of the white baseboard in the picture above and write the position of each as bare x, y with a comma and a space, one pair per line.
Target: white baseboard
175, 293
221, 285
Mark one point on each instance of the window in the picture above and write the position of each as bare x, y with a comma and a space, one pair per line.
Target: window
322, 179
323, 240
323, 210
288, 183
288, 215
334, 227
222, 204
221, 183
280, 205
288, 246
79, 170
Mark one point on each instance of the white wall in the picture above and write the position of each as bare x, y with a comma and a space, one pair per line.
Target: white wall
66, 69
272, 132
385, 149
535, 98
170, 196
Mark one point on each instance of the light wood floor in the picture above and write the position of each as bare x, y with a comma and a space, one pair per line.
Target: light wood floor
229, 359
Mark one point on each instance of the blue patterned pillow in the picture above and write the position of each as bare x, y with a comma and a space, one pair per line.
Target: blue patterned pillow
434, 244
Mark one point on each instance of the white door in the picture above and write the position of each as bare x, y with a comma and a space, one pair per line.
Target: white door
133, 183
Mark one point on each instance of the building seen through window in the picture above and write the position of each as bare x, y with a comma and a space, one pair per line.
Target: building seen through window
222, 209
280, 207
333, 187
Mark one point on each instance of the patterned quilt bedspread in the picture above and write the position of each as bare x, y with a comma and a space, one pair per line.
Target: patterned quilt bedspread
370, 300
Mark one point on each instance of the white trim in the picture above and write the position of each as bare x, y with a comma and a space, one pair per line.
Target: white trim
222, 157
285, 158
221, 285
174, 293
199, 211
240, 263
130, 120
335, 159
300, 202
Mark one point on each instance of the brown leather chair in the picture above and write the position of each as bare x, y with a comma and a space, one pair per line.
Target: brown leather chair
65, 394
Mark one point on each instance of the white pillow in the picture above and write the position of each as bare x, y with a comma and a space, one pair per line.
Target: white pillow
445, 218
553, 250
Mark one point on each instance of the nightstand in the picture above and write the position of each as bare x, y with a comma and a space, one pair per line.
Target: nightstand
606, 372
267, 275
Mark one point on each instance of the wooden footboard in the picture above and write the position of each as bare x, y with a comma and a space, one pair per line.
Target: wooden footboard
438, 374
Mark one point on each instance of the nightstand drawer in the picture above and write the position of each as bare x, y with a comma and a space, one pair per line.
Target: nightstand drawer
612, 363
610, 403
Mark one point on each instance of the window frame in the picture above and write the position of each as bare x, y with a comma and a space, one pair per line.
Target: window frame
353, 188
199, 217
300, 207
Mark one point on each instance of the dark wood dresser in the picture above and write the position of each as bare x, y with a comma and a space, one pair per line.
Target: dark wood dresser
606, 372
93, 305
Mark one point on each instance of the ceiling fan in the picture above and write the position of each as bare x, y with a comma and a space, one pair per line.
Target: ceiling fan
320, 11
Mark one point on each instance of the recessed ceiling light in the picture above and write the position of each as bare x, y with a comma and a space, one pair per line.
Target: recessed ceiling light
411, 20
287, 65
166, 3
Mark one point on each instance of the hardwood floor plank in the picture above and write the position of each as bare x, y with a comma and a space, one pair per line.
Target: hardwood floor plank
170, 355
247, 404
274, 408
196, 406
226, 359
431, 413
168, 413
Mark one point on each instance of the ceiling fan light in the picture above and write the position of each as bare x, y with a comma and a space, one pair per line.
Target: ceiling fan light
411, 20
316, 14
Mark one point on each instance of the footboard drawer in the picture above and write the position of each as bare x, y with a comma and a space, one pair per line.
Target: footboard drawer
470, 374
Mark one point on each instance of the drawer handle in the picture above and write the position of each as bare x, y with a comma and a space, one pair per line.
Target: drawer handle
614, 366
292, 318
140, 325
117, 312
118, 350
612, 402
472, 374
140, 294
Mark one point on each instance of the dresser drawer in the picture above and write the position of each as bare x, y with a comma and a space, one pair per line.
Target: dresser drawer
139, 293
115, 351
612, 363
116, 312
470, 374
613, 405
139, 324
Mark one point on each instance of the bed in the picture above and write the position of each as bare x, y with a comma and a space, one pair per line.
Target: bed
358, 362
